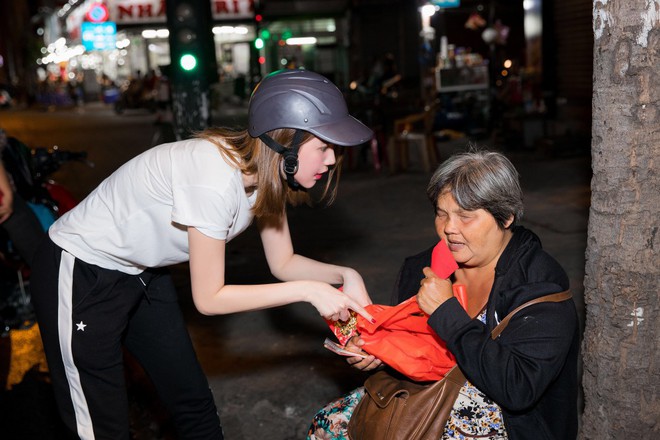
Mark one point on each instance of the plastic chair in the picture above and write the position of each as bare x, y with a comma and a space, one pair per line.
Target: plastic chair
413, 130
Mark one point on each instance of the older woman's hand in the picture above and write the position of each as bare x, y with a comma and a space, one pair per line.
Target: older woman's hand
364, 364
433, 291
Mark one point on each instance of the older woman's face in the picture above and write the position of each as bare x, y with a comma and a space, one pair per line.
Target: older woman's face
473, 237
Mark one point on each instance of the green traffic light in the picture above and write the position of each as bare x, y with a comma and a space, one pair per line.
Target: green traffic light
188, 62
258, 43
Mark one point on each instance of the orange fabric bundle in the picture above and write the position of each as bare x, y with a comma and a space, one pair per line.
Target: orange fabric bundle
401, 336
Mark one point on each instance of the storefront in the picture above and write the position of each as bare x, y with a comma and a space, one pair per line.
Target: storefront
248, 44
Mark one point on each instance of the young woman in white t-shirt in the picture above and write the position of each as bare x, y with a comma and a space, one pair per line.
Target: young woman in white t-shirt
99, 283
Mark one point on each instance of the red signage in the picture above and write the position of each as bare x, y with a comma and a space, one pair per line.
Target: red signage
153, 11
98, 13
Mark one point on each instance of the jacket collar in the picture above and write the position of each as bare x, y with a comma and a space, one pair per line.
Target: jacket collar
521, 242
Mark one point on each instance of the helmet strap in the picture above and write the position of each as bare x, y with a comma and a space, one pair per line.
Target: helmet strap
290, 156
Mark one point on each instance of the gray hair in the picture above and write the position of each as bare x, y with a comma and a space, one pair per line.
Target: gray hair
480, 180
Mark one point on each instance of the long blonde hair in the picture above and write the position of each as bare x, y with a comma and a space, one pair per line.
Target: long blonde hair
254, 158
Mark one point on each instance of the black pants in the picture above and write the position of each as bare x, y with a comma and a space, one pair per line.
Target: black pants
86, 315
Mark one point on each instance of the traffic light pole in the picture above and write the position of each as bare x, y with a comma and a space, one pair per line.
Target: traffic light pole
190, 108
193, 65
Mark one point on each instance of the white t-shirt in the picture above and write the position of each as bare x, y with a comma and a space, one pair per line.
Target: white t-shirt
137, 217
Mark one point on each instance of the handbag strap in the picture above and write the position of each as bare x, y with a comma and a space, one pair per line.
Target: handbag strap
553, 297
457, 376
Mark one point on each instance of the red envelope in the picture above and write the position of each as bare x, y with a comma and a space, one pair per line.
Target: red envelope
401, 337
442, 261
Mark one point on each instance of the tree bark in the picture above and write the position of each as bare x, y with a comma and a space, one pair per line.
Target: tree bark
622, 274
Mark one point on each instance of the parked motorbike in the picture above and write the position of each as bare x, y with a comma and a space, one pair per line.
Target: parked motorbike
31, 173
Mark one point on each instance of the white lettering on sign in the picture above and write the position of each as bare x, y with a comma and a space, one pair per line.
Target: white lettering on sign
140, 11
232, 7
154, 11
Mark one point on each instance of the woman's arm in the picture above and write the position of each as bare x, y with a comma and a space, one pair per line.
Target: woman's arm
212, 296
515, 369
6, 195
286, 265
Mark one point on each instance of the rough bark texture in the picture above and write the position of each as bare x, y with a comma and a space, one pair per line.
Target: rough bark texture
622, 273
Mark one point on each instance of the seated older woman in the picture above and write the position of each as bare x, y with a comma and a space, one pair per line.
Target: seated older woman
523, 384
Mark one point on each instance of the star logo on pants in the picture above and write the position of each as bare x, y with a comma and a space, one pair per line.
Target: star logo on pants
81, 326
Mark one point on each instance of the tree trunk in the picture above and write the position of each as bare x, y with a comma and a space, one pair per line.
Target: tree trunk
622, 274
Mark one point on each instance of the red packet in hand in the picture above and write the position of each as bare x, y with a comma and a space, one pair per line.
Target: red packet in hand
401, 336
442, 261
345, 330
402, 339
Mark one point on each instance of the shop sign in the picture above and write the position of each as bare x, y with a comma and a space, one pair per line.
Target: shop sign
98, 13
99, 36
153, 11
447, 3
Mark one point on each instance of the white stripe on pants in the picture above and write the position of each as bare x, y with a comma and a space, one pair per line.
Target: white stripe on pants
65, 330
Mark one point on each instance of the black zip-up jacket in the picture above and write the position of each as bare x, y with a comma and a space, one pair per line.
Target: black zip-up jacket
530, 371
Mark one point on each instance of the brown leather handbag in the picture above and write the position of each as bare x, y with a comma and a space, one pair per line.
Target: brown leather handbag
399, 409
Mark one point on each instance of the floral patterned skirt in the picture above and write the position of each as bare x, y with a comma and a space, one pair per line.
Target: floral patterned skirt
474, 416
331, 423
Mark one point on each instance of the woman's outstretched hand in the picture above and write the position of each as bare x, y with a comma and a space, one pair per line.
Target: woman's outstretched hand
433, 291
336, 305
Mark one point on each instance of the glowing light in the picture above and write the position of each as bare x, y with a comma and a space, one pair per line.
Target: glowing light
428, 10
228, 30
301, 41
123, 43
188, 62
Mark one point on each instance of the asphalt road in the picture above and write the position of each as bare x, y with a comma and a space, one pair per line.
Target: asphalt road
268, 369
